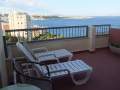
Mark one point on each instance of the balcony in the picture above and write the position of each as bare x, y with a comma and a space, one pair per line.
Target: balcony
87, 43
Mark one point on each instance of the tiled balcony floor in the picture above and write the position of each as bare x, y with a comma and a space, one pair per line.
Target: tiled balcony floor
106, 71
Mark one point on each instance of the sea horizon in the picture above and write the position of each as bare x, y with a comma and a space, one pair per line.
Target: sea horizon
97, 20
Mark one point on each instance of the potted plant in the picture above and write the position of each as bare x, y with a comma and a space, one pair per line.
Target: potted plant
13, 39
115, 47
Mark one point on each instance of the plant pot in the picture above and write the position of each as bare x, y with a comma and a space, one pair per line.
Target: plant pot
114, 49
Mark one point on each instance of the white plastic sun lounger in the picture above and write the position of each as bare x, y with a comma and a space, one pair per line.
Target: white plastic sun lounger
74, 67
59, 69
42, 54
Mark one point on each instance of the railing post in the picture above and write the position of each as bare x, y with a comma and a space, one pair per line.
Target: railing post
29, 35
92, 38
3, 72
5, 46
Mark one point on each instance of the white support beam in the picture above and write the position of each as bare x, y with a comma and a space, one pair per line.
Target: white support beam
92, 38
3, 72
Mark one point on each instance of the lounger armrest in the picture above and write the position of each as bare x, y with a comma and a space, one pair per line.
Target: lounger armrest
46, 78
31, 62
48, 55
50, 60
36, 78
62, 70
39, 50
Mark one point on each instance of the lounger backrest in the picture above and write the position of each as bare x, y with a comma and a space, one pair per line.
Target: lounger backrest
28, 55
29, 50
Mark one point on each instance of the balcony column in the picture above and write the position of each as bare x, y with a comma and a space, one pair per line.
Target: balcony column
3, 73
29, 35
92, 38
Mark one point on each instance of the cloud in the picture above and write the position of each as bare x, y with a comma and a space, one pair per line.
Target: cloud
32, 3
35, 3
26, 5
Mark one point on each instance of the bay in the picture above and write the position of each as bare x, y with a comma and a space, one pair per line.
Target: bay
114, 21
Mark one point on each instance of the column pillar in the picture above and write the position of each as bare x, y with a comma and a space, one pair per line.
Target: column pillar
29, 35
92, 38
3, 73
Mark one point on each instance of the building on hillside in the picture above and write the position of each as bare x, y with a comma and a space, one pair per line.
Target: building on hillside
3, 17
18, 20
4, 26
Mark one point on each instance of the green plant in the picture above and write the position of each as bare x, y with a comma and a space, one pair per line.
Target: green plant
116, 45
13, 39
47, 36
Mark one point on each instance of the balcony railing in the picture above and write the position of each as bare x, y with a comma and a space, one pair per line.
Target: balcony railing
102, 30
52, 33
41, 34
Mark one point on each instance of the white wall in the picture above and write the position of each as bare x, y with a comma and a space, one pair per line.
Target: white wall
77, 44
102, 41
19, 20
3, 73
69, 44
74, 44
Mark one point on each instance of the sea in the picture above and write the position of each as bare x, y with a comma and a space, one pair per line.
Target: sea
99, 20
114, 21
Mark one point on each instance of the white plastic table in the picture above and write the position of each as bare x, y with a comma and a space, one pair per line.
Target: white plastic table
21, 87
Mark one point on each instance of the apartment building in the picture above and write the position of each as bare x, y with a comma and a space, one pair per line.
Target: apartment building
4, 26
3, 17
18, 20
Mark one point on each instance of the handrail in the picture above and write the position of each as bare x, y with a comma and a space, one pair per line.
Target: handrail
102, 30
54, 33
47, 33
44, 28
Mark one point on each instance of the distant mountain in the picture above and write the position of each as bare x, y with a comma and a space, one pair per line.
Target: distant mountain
44, 17
63, 17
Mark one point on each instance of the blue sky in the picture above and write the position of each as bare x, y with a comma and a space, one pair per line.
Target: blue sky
64, 7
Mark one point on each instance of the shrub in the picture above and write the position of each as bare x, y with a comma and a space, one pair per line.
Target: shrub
116, 45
